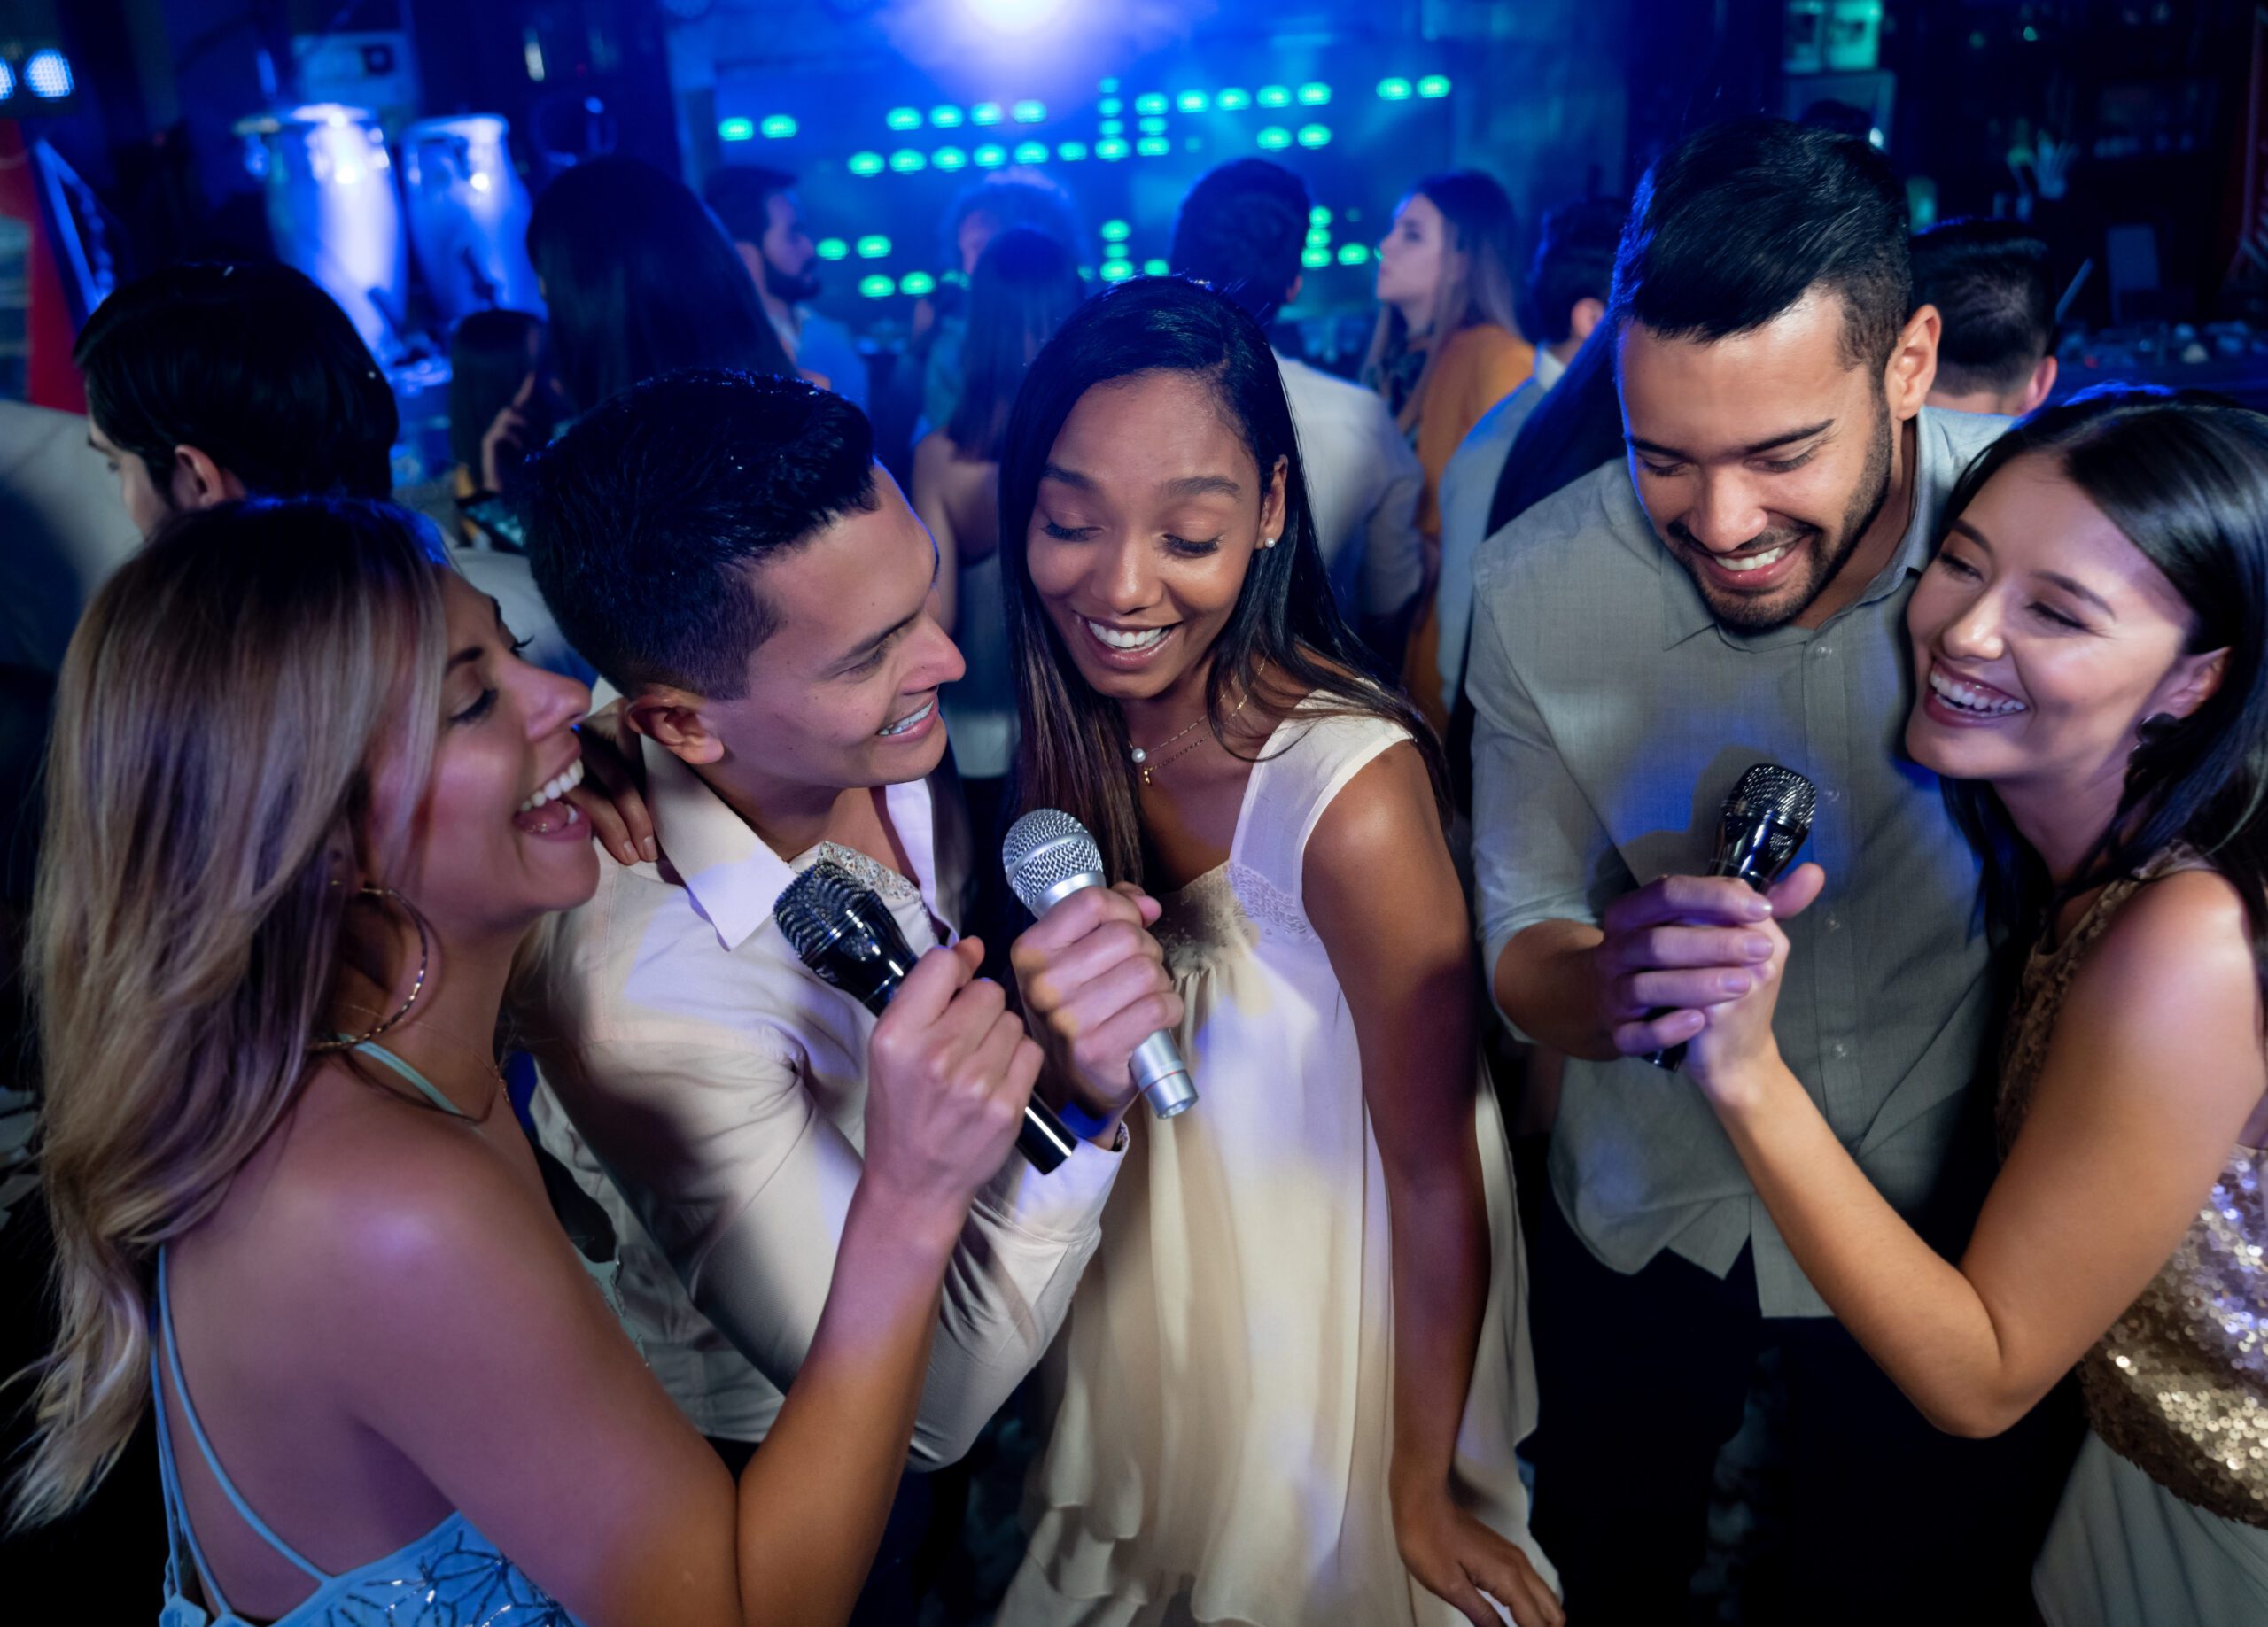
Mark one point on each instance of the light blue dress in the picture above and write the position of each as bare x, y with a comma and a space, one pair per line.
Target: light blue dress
451, 1577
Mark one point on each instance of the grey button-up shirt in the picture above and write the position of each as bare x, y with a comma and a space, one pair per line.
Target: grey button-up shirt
1614, 713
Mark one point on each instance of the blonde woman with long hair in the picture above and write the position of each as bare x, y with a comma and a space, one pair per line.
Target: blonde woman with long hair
1446, 349
305, 804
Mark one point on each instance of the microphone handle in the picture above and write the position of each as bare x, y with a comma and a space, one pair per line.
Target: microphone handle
1156, 1064
1043, 1138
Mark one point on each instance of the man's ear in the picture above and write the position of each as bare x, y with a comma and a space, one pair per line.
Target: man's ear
1584, 315
1292, 294
198, 482
2042, 387
672, 719
1912, 366
752, 257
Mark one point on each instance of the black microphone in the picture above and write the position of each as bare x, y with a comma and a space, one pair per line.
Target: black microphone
844, 932
1049, 855
1767, 816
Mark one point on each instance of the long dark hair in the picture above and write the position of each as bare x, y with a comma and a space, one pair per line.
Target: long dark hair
1074, 751
2185, 478
640, 279
1026, 285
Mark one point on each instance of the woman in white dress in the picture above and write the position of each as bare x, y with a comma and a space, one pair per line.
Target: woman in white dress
1295, 1373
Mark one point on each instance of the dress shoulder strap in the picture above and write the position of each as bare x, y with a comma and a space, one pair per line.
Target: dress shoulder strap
1303, 768
177, 1508
377, 1052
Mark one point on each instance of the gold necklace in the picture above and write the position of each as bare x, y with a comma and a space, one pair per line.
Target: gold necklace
1147, 760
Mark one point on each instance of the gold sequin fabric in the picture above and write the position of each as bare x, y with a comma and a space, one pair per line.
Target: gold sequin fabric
2180, 1385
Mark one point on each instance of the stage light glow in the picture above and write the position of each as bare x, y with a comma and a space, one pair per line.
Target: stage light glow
1029, 111
7, 79
1115, 231
1313, 94
874, 246
1106, 86
949, 159
1111, 126
1015, 16
1191, 101
1233, 100
1314, 135
1353, 253
1318, 237
1314, 260
1393, 91
47, 73
865, 164
877, 287
1434, 86
1150, 102
1319, 216
918, 284
1153, 127
1275, 138
984, 113
778, 126
1153, 268
1273, 96
834, 248
1031, 152
1154, 146
989, 156
1110, 107
737, 129
1070, 152
945, 118
1110, 149
902, 118
906, 161
1116, 271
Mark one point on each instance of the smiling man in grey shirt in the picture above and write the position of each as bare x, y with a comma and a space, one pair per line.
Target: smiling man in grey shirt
1736, 595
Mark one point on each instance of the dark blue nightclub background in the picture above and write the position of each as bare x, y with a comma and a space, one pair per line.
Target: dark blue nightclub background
886, 109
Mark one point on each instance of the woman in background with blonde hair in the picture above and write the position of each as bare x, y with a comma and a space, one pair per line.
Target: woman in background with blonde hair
1446, 348
305, 804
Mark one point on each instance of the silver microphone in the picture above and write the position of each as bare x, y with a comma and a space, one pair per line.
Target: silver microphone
1049, 855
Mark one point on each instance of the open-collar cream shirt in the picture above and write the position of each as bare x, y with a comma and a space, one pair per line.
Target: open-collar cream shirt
711, 1091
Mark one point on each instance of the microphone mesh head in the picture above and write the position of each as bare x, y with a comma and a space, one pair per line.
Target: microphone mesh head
816, 907
1043, 848
1768, 788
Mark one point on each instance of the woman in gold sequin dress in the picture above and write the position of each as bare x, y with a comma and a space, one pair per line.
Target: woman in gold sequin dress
2090, 652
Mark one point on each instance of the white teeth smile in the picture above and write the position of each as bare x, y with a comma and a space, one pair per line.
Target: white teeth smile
1120, 638
558, 785
1753, 561
910, 721
1972, 698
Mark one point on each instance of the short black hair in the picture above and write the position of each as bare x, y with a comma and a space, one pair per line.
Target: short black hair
1738, 221
740, 195
1573, 261
645, 518
1242, 229
1992, 285
251, 363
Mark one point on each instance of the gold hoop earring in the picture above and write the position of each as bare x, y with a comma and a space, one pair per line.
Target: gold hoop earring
416, 987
